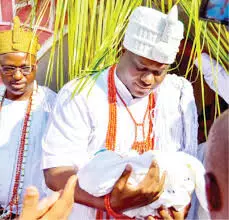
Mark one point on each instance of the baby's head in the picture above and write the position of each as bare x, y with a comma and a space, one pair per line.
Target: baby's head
185, 174
179, 186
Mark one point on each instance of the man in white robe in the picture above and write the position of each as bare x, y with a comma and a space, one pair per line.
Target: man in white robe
79, 126
18, 71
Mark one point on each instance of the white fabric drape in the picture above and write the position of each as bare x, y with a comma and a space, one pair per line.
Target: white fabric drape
215, 76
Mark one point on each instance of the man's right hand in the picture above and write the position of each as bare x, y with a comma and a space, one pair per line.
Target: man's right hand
124, 196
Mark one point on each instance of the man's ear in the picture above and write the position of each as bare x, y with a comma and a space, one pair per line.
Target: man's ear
213, 192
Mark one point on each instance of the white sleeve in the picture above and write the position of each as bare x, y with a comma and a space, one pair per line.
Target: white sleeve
215, 76
190, 119
66, 139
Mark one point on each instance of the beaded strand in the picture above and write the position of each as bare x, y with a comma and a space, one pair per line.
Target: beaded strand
22, 153
112, 123
140, 146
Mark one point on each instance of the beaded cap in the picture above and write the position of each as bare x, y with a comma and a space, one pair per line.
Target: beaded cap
18, 40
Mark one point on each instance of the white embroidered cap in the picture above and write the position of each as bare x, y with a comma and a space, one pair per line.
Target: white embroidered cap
153, 34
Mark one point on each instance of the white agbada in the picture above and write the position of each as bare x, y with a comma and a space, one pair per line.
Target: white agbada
11, 123
78, 125
215, 76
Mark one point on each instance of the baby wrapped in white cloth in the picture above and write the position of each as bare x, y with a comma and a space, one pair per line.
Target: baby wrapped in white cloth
184, 174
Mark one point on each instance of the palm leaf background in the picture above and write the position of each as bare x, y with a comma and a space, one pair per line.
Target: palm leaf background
95, 29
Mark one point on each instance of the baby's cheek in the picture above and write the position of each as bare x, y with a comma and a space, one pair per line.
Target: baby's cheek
189, 185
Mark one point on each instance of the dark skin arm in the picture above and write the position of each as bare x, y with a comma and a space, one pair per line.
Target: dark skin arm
123, 196
56, 179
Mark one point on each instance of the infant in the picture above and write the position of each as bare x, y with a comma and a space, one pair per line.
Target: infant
184, 174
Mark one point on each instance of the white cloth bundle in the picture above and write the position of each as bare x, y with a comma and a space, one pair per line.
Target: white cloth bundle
184, 174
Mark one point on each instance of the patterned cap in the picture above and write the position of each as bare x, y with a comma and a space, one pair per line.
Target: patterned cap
18, 40
153, 34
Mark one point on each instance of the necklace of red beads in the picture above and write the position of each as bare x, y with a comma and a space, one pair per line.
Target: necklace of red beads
22, 155
140, 146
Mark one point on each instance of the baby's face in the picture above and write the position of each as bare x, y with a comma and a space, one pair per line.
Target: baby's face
179, 185
179, 180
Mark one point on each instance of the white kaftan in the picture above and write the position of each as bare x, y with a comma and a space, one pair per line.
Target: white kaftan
11, 123
78, 125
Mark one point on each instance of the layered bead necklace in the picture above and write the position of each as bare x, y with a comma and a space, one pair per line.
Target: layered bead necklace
140, 146
22, 154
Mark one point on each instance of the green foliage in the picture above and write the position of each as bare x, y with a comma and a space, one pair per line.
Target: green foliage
96, 28
95, 31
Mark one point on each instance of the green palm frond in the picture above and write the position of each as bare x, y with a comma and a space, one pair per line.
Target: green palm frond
95, 30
